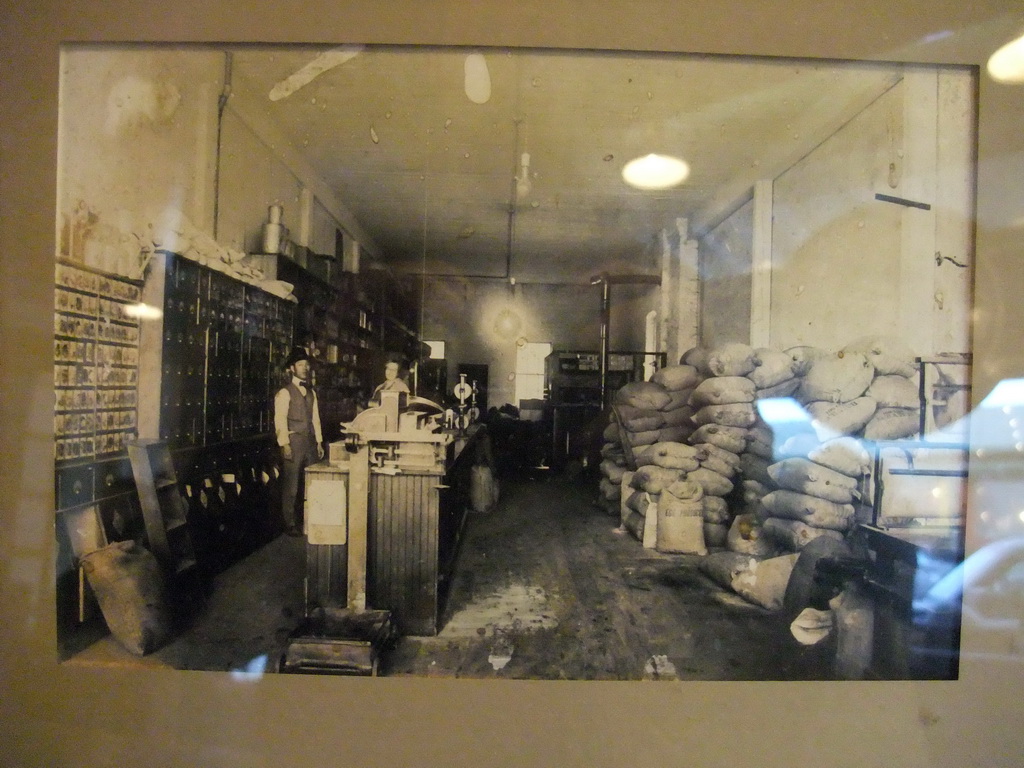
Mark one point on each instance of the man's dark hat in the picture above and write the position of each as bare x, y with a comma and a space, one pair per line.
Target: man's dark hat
298, 353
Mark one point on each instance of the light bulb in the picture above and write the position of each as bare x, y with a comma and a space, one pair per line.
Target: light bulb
655, 172
507, 323
1007, 64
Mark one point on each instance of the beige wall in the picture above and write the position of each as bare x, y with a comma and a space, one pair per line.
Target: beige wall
464, 313
252, 178
955, 206
138, 138
259, 168
835, 250
845, 265
629, 307
137, 134
726, 254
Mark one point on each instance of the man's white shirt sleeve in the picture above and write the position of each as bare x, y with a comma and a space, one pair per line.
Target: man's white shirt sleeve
281, 402
316, 420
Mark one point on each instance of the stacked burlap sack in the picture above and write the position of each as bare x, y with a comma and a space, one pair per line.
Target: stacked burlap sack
762, 496
679, 519
723, 412
816, 493
745, 531
634, 421
650, 419
637, 408
895, 388
660, 506
613, 466
732, 476
638, 419
658, 410
775, 374
869, 389
679, 381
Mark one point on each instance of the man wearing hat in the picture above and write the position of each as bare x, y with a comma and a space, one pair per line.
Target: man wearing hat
297, 425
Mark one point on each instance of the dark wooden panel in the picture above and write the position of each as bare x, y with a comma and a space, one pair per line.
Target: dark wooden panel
403, 545
326, 564
326, 576
114, 478
74, 485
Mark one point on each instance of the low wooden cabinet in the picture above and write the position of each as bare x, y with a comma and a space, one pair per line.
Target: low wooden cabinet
165, 514
414, 522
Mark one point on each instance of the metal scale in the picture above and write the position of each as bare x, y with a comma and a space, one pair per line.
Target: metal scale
468, 411
400, 434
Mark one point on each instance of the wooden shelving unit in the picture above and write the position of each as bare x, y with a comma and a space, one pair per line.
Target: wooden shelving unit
222, 347
96, 362
350, 323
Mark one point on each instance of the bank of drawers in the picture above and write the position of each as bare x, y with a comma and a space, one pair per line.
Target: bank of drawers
223, 342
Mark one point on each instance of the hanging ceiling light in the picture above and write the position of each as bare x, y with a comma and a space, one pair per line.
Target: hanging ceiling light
1007, 64
655, 172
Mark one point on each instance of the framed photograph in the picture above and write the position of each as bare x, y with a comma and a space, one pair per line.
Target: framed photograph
219, 217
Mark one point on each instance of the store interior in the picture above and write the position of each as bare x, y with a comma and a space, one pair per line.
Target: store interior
706, 428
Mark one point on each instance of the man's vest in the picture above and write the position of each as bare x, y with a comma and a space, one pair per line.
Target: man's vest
300, 410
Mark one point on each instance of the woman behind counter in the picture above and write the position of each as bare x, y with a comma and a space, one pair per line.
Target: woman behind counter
391, 383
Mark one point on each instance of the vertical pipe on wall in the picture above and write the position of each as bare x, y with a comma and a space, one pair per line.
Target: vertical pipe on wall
668, 321
605, 281
761, 266
222, 102
606, 319
512, 203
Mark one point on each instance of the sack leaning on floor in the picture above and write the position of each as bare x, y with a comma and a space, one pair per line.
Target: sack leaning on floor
483, 488
132, 595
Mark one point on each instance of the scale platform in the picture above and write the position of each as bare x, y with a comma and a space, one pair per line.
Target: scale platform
337, 641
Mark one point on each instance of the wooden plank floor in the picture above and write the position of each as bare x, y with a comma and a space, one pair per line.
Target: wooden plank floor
546, 587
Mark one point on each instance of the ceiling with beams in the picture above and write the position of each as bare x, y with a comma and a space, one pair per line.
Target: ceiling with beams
425, 147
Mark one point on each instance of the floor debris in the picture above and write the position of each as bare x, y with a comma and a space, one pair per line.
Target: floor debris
501, 653
660, 668
518, 606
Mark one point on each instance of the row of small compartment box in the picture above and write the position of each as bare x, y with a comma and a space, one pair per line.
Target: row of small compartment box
241, 461
196, 296
90, 282
92, 446
181, 427
108, 310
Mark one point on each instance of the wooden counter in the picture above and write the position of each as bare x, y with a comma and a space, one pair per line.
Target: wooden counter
414, 523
